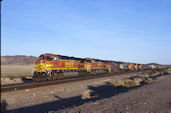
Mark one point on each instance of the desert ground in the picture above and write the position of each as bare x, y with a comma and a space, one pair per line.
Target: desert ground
127, 93
16, 68
99, 95
15, 73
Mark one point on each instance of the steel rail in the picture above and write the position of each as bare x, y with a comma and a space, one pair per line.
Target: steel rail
27, 85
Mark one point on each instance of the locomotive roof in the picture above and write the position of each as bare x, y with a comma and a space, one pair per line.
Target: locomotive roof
64, 57
48, 54
75, 58
71, 58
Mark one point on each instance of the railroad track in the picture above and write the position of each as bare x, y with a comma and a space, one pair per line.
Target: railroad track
27, 85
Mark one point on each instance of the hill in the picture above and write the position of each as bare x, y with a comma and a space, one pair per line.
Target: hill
17, 60
153, 64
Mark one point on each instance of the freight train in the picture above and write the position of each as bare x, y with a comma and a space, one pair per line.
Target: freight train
51, 67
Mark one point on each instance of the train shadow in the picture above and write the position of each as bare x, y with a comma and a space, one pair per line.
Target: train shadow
27, 79
4, 106
98, 93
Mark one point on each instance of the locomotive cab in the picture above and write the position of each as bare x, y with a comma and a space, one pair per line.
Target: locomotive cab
45, 62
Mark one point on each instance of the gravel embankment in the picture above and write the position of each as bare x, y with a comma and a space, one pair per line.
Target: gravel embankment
151, 98
155, 97
36, 96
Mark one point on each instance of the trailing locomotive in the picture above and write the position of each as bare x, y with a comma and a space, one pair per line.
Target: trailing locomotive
50, 67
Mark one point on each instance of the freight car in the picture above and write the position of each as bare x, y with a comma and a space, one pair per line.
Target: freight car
50, 67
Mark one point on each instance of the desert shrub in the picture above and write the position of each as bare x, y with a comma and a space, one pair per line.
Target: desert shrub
117, 83
166, 71
169, 71
149, 80
135, 81
155, 73
143, 76
128, 83
131, 83
87, 95
11, 77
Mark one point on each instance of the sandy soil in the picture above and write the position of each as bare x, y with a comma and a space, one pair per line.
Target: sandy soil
66, 97
11, 74
16, 70
151, 98
37, 96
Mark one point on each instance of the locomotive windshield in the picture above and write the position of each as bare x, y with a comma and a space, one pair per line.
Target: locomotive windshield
41, 57
49, 58
88, 60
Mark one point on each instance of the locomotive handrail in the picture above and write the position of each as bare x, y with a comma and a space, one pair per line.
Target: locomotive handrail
45, 68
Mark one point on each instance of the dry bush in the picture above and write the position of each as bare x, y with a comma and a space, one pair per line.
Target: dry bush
135, 81
17, 80
149, 80
8, 80
138, 79
155, 73
169, 71
146, 75
87, 95
143, 76
117, 83
5, 79
128, 83
131, 83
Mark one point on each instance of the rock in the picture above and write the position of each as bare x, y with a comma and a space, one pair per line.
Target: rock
27, 90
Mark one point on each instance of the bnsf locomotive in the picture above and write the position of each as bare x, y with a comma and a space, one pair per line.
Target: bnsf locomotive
50, 67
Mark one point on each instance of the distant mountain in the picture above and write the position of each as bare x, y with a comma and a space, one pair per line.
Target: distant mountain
153, 64
18, 59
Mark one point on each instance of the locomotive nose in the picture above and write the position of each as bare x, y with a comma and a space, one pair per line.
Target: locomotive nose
43, 66
40, 66
42, 61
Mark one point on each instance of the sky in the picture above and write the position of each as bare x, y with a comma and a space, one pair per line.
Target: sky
121, 30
